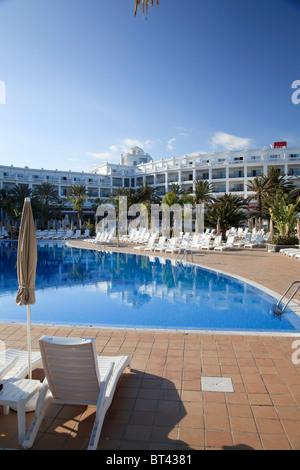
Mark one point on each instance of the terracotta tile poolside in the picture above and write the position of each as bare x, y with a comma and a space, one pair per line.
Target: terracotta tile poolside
160, 405
156, 407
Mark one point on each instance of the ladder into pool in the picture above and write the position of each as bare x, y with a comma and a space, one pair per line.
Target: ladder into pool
277, 309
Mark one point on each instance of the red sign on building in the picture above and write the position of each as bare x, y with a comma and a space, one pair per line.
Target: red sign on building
279, 145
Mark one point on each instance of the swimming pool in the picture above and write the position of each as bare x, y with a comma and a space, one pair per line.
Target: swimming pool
84, 287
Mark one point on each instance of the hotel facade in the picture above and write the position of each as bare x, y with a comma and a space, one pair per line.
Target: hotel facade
229, 172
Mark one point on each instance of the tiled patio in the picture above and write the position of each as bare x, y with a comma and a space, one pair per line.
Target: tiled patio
160, 404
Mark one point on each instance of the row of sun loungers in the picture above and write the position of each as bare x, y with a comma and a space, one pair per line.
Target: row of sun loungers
101, 238
291, 252
60, 234
206, 241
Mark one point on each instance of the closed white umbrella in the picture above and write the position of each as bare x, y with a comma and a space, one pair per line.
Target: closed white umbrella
26, 268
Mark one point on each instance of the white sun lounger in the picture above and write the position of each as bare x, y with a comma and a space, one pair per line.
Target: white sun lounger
161, 245
210, 246
75, 375
229, 245
150, 245
256, 242
293, 254
14, 363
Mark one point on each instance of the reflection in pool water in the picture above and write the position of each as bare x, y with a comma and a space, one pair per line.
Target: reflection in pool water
83, 287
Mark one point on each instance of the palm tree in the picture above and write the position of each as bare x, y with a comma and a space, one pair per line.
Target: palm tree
227, 210
77, 195
46, 193
147, 194
232, 200
145, 4
278, 180
295, 192
6, 203
19, 193
203, 192
177, 190
260, 186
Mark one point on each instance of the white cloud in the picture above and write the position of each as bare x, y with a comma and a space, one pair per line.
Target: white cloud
169, 144
182, 131
127, 143
113, 148
101, 155
224, 141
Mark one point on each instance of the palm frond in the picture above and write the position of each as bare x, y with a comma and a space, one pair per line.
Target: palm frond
145, 4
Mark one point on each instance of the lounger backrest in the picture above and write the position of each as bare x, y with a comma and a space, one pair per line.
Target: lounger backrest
70, 366
218, 239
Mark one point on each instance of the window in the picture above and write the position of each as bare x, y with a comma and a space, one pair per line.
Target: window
294, 171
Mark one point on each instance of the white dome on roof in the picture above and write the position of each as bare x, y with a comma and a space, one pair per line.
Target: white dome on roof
135, 156
136, 150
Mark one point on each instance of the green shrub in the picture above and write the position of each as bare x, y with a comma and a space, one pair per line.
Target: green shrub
284, 240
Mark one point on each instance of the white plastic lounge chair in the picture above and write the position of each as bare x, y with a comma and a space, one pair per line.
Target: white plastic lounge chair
256, 242
144, 239
184, 245
242, 241
161, 245
287, 251
130, 237
229, 245
93, 239
150, 245
97, 238
210, 246
75, 375
105, 238
14, 363
69, 233
77, 234
292, 254
138, 236
173, 243
109, 238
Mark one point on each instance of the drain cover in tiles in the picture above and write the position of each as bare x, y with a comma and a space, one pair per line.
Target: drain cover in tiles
216, 384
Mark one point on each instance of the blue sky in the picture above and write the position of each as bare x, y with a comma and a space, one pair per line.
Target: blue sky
85, 80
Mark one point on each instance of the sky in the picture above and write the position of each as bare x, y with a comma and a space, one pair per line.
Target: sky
82, 81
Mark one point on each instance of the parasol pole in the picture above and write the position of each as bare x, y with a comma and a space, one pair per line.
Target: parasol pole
29, 340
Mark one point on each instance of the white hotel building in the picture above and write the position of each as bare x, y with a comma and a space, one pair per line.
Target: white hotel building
229, 172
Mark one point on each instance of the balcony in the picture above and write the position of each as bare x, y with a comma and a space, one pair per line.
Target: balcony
236, 188
236, 174
219, 175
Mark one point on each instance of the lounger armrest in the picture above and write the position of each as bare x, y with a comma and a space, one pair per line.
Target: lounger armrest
104, 384
7, 367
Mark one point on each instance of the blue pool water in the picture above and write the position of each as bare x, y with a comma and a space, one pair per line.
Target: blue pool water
83, 287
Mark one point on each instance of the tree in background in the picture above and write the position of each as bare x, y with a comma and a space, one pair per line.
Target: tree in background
145, 5
203, 192
77, 195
